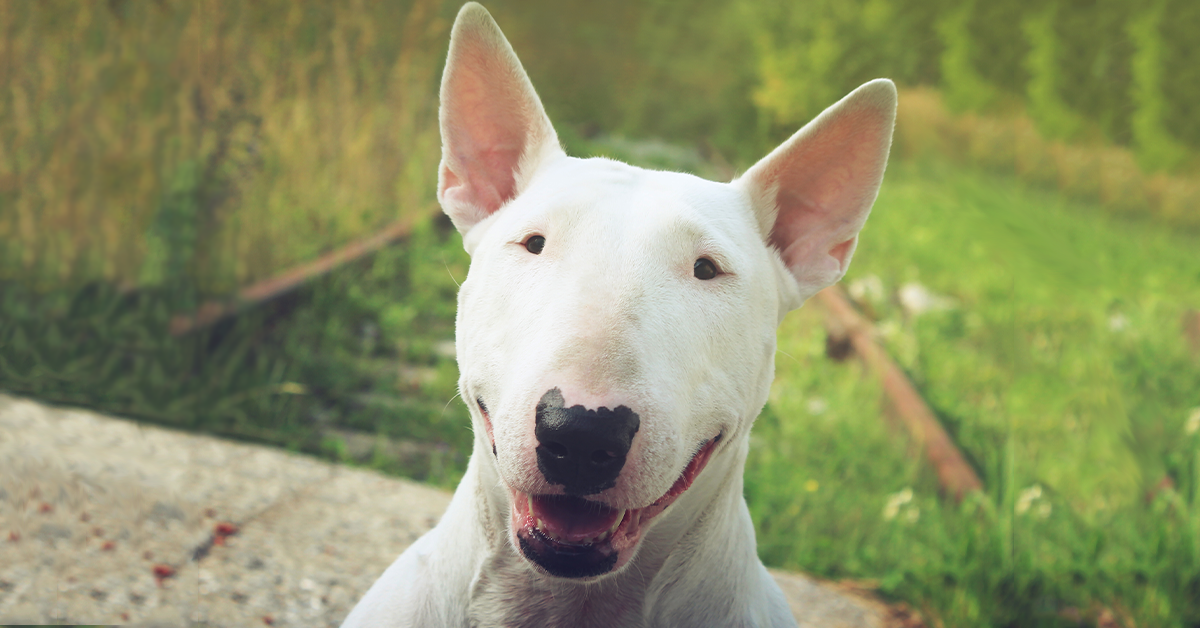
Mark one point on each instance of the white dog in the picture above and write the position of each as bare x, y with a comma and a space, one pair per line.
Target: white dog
616, 339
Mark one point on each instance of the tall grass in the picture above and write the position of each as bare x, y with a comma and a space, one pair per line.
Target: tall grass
208, 142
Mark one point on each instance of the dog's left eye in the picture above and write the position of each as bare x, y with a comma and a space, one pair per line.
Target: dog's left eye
535, 244
704, 268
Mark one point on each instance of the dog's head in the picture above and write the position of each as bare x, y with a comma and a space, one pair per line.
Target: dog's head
616, 330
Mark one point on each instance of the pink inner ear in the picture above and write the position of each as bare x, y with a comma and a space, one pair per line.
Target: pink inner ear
842, 251
489, 182
491, 120
487, 125
826, 179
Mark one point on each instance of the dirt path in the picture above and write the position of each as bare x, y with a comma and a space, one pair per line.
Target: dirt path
105, 521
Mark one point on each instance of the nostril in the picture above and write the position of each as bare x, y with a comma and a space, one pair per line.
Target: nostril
601, 456
558, 450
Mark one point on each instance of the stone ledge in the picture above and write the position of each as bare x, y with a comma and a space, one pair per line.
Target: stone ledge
105, 521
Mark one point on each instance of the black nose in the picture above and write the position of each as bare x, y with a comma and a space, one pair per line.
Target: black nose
582, 450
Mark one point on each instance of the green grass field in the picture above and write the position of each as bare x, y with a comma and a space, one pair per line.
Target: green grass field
1059, 368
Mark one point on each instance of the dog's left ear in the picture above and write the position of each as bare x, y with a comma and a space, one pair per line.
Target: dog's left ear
495, 132
812, 194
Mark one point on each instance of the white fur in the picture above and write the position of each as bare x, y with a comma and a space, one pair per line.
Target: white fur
611, 314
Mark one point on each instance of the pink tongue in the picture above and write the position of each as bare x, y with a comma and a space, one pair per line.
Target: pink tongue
572, 518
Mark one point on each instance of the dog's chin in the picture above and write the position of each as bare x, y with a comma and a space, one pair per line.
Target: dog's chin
581, 539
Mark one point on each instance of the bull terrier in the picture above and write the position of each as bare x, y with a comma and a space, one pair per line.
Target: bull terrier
616, 340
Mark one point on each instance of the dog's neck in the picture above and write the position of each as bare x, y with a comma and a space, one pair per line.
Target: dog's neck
508, 591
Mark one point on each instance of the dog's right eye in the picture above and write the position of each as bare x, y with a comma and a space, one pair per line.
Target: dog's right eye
535, 244
704, 269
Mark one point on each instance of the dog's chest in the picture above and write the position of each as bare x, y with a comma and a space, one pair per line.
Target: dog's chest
507, 593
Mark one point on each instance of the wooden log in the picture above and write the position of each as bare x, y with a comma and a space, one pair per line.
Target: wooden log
956, 477
1190, 321
213, 311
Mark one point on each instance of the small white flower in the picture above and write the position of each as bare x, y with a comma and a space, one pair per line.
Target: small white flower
1118, 322
817, 406
911, 514
894, 503
1043, 510
1026, 498
916, 299
867, 289
1193, 422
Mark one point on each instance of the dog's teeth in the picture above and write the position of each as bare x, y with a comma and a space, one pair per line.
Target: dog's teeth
616, 524
529, 498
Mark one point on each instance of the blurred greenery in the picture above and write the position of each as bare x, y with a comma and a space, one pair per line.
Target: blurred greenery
208, 142
155, 155
1121, 70
259, 134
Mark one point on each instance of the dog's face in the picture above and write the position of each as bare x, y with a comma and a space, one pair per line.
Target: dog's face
616, 330
602, 357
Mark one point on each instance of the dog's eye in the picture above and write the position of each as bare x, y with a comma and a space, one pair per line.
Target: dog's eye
535, 244
704, 268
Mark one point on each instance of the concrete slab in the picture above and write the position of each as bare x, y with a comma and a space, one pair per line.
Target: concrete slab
105, 521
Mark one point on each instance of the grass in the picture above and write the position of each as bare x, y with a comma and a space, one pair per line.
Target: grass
359, 353
1067, 332
1062, 374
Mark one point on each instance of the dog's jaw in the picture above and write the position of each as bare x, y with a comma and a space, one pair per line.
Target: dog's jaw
588, 540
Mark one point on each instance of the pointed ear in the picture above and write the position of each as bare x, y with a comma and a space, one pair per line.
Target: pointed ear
812, 194
495, 132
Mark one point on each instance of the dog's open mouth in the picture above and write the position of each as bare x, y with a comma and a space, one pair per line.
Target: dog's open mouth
572, 537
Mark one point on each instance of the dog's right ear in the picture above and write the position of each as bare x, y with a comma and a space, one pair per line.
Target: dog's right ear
813, 193
495, 133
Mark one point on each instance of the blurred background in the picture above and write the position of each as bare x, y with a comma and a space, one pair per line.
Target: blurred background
1032, 263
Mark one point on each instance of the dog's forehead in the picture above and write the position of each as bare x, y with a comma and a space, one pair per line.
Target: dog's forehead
601, 195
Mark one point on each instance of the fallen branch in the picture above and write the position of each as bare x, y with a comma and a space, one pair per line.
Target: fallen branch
213, 311
846, 326
1190, 321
